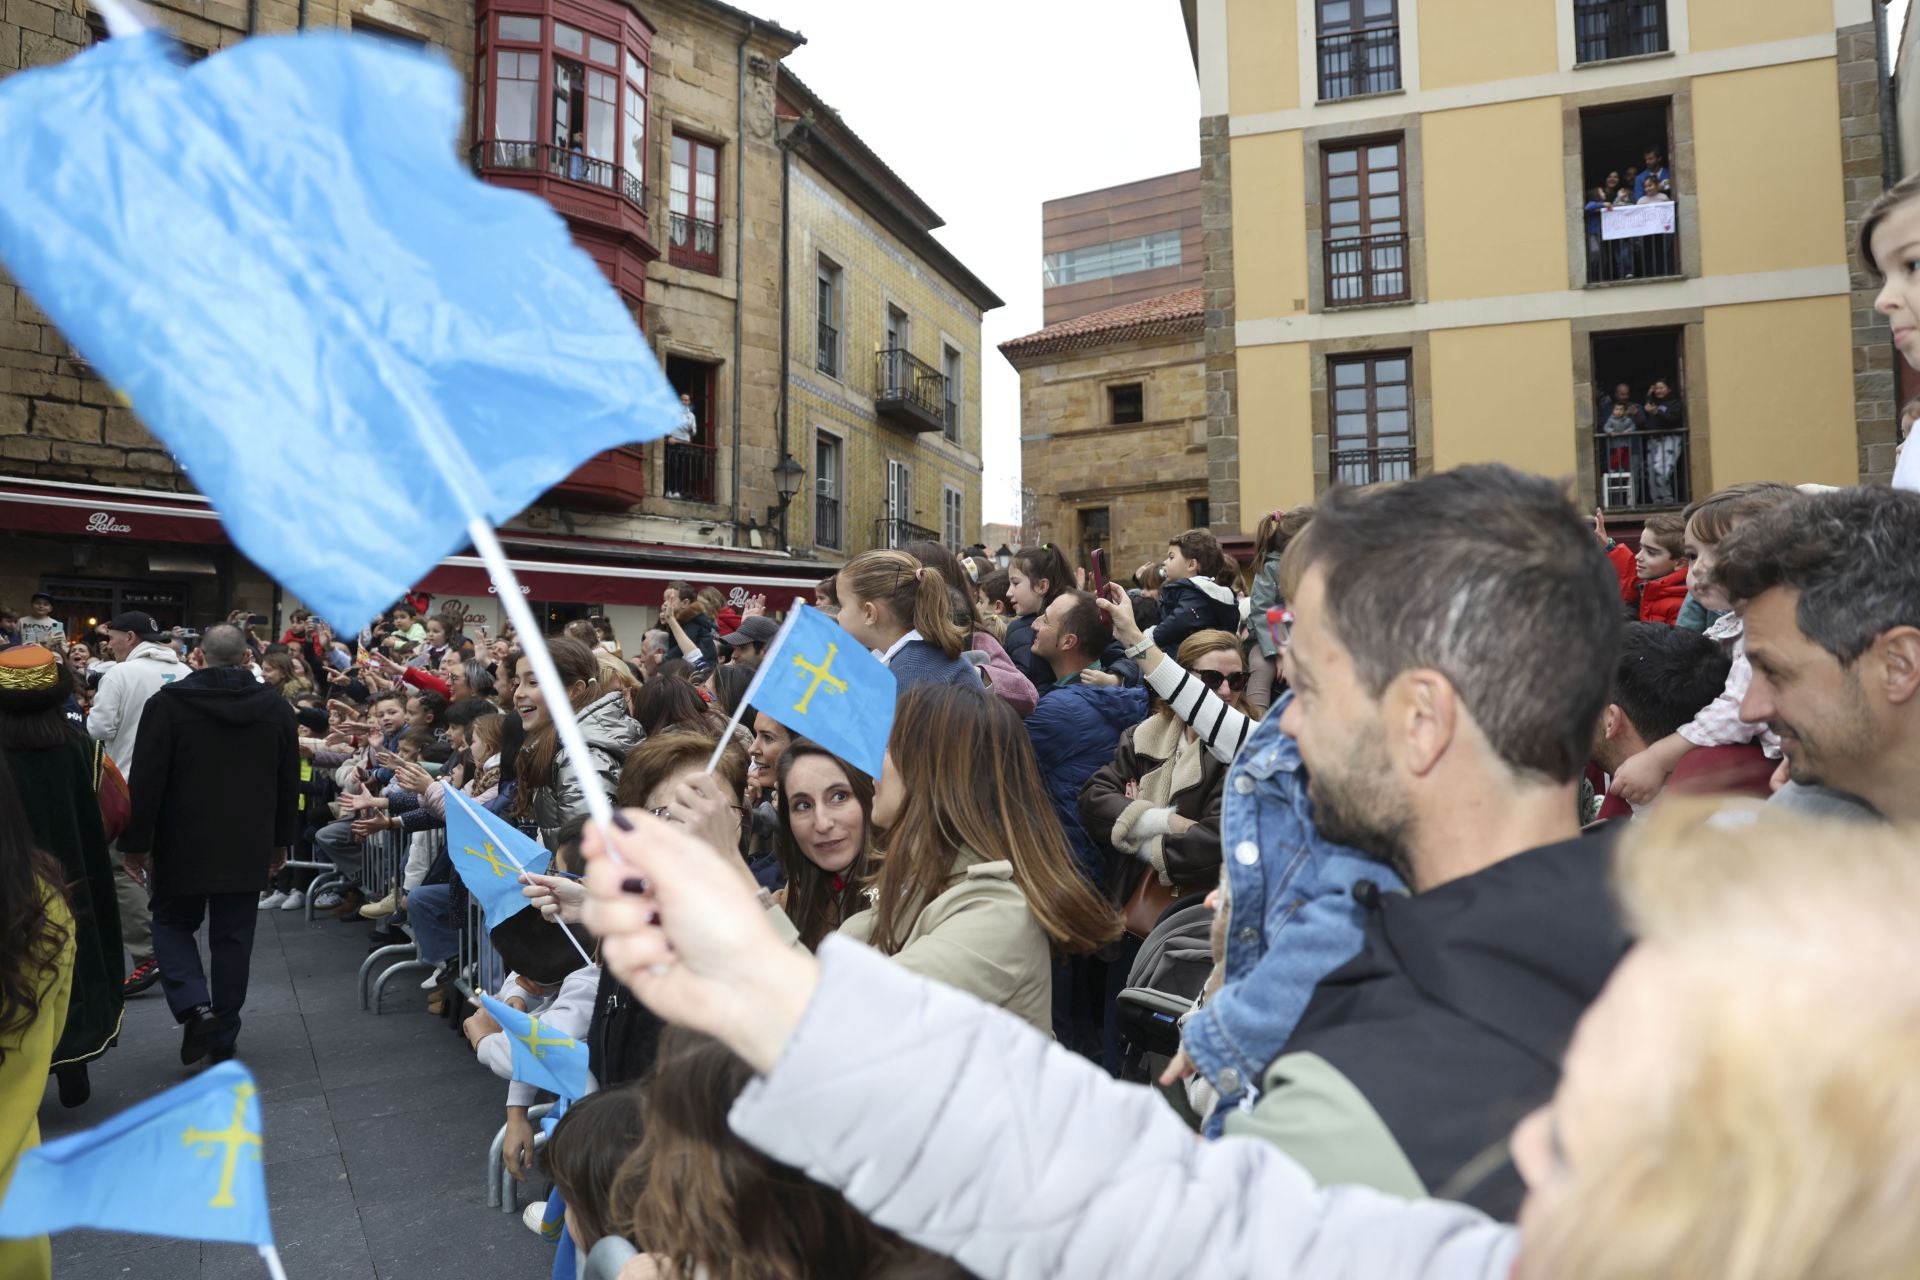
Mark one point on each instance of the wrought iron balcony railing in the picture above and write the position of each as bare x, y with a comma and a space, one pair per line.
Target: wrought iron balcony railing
1370, 466
493, 154
1354, 63
909, 391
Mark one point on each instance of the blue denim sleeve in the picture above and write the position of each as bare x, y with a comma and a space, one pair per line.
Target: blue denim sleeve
1247, 1022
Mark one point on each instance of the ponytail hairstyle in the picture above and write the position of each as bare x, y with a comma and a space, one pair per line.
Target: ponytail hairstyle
915, 595
1044, 563
1200, 546
1278, 528
966, 615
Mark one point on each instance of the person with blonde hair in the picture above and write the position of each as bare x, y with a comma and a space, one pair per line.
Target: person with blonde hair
1733, 1107
899, 608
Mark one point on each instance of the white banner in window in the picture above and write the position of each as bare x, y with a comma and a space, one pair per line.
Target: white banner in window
1637, 220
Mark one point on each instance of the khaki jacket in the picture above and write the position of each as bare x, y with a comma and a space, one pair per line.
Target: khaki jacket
980, 937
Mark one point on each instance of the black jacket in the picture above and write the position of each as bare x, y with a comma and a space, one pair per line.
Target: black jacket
624, 1036
1453, 1019
218, 789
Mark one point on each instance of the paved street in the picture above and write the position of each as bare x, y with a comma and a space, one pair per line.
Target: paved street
376, 1129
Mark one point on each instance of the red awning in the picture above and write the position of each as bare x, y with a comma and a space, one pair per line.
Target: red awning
85, 511
568, 583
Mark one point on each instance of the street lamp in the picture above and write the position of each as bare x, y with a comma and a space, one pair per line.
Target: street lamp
786, 482
1004, 556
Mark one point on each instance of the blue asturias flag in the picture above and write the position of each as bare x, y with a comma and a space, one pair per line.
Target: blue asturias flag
276, 253
490, 854
543, 1057
184, 1164
822, 684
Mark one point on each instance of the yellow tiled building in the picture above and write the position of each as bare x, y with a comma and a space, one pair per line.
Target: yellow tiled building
1407, 268
883, 349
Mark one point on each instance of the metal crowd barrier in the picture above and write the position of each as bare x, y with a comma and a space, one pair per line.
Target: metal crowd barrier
387, 853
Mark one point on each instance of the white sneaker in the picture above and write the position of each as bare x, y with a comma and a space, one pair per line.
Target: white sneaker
533, 1214
296, 901
272, 900
438, 976
327, 901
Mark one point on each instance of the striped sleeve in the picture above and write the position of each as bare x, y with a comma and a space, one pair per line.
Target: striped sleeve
1215, 723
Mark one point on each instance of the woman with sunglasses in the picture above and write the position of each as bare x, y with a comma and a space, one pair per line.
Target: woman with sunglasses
1158, 799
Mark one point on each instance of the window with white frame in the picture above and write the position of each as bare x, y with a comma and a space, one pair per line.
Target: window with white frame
828, 483
953, 517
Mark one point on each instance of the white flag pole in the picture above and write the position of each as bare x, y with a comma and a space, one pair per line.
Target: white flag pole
553, 690
271, 1256
760, 674
474, 812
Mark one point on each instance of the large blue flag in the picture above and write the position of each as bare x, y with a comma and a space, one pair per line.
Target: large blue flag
822, 684
184, 1164
542, 1057
490, 854
276, 254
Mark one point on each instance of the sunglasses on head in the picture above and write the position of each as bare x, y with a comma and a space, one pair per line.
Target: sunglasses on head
1214, 679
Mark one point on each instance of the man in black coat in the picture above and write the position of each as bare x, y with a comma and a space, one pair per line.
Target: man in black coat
215, 806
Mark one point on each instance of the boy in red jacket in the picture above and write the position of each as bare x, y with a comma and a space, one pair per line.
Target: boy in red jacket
1661, 566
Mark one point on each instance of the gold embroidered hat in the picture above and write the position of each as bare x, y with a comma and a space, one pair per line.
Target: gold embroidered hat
31, 676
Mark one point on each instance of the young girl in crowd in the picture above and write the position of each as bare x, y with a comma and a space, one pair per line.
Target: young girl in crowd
1198, 593
1036, 576
999, 674
899, 608
550, 792
664, 703
1277, 529
1709, 521
583, 1158
825, 845
977, 886
1158, 799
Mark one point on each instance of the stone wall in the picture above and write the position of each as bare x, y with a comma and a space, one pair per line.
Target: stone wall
1222, 390
1074, 459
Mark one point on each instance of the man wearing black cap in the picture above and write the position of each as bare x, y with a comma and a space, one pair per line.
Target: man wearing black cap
143, 664
215, 806
750, 639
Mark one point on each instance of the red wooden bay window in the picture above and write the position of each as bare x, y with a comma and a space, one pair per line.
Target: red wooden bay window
693, 203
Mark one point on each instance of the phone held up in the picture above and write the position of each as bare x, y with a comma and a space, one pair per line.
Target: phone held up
1099, 559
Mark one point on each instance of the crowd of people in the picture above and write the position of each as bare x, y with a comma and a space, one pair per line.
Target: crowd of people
1424, 897
1630, 257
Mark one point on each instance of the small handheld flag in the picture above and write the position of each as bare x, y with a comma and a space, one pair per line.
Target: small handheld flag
542, 1057
184, 1164
490, 855
822, 684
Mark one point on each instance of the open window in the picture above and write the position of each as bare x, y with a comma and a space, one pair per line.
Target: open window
1642, 459
691, 457
1628, 193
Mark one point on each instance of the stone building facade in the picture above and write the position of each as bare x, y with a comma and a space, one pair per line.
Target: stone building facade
883, 358
678, 192
1113, 429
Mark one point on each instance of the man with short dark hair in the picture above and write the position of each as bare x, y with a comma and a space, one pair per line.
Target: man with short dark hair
215, 807
748, 642
1452, 645
1828, 587
1663, 679
1069, 636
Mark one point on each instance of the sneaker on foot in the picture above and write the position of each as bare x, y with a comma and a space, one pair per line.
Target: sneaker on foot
271, 900
350, 904
533, 1215
296, 901
143, 975
383, 908
438, 976
327, 901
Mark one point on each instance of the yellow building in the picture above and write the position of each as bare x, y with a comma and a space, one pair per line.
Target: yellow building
882, 392
1408, 268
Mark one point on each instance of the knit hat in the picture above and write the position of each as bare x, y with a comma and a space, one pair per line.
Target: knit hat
32, 679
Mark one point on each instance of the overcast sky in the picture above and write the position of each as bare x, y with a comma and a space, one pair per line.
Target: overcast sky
987, 109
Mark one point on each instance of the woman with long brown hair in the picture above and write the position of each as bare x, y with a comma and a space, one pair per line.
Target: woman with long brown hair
825, 837
976, 887
550, 791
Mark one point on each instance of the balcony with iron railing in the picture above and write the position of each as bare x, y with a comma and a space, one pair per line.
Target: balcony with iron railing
691, 472
694, 244
1638, 257
493, 155
1642, 470
909, 392
826, 520
1607, 29
892, 533
1356, 63
1363, 269
1366, 466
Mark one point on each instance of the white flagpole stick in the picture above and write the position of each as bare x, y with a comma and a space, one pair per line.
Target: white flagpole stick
271, 1256
553, 690
746, 699
521, 868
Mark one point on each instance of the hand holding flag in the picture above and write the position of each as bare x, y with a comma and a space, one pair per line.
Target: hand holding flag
542, 1057
822, 684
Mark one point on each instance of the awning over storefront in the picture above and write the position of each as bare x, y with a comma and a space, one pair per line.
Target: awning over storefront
551, 567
